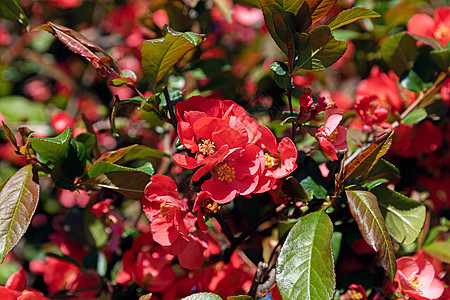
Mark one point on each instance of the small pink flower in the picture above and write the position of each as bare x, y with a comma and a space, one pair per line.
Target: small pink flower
416, 278
332, 136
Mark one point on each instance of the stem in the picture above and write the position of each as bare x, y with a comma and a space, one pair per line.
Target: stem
173, 119
291, 110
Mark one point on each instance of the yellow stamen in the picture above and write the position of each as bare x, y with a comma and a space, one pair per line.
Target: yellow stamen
354, 295
271, 162
206, 147
415, 282
441, 32
166, 210
224, 172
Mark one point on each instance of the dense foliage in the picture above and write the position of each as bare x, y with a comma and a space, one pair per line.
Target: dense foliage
220, 149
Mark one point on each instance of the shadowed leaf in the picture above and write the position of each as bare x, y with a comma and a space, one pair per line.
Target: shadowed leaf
305, 265
349, 16
381, 170
11, 10
366, 160
19, 196
399, 51
364, 208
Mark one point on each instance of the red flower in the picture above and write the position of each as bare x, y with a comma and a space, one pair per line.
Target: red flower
437, 27
332, 136
370, 110
165, 210
416, 278
355, 292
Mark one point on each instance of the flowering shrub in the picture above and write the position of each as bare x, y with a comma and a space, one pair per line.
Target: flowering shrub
224, 149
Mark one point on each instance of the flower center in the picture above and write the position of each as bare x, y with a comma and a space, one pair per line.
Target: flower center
442, 32
271, 162
224, 172
415, 282
166, 210
332, 136
207, 147
354, 295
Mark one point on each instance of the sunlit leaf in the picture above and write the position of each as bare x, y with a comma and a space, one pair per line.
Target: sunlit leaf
53, 149
349, 16
320, 10
9, 135
399, 51
305, 265
11, 10
101, 167
225, 7
323, 50
146, 296
364, 208
19, 198
381, 170
440, 250
160, 55
404, 216
203, 296
415, 116
369, 157
441, 58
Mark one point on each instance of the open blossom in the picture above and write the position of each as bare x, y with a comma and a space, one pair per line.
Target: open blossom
370, 110
416, 279
165, 210
15, 288
437, 27
332, 136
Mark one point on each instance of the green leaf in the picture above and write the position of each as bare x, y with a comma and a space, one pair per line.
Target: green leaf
19, 198
202, 296
19, 109
95, 230
322, 51
320, 10
11, 10
381, 170
53, 149
305, 265
412, 81
404, 216
336, 244
285, 28
131, 184
160, 55
313, 190
292, 188
368, 158
269, 8
364, 208
281, 74
349, 16
399, 51
101, 167
441, 58
440, 250
89, 140
146, 296
240, 297
96, 260
130, 153
415, 116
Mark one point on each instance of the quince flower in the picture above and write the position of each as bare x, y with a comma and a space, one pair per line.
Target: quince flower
332, 136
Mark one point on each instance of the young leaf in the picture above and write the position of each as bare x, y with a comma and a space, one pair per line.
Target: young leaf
146, 296
305, 265
11, 10
131, 184
366, 160
440, 250
269, 8
53, 149
79, 44
399, 51
101, 167
322, 51
202, 296
415, 116
19, 197
9, 135
404, 216
364, 208
349, 16
320, 8
160, 55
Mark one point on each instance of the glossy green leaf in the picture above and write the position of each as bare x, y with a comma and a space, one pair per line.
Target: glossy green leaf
11, 10
364, 208
404, 216
399, 51
313, 189
280, 74
53, 149
160, 55
101, 167
415, 116
441, 58
336, 244
322, 51
269, 8
349, 16
440, 250
381, 170
19, 198
305, 265
203, 296
89, 141
369, 157
130, 153
131, 184
412, 81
